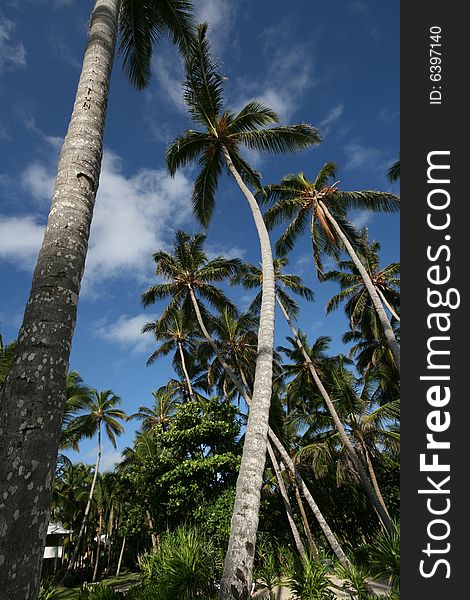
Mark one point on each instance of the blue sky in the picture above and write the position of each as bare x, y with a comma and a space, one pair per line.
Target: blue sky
334, 65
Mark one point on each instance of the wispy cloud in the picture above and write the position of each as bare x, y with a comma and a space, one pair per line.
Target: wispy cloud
362, 218
331, 117
38, 181
221, 18
289, 75
12, 51
359, 156
126, 331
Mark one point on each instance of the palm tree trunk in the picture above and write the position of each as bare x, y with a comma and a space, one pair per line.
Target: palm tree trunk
356, 461
185, 371
387, 304
239, 559
121, 554
98, 544
33, 397
335, 546
388, 331
87, 509
153, 537
373, 478
303, 516
286, 459
285, 499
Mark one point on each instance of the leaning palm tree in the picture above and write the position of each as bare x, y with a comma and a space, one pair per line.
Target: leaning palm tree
323, 206
217, 144
30, 438
358, 308
100, 411
160, 414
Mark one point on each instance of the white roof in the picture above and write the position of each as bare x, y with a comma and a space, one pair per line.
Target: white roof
57, 528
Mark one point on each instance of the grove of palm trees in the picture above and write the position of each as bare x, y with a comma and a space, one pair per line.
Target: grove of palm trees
202, 393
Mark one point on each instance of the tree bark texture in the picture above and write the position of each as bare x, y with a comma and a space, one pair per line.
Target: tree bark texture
388, 330
33, 397
237, 578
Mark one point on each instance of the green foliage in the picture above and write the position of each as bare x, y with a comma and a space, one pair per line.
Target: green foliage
48, 590
355, 577
97, 592
384, 556
268, 573
309, 580
186, 566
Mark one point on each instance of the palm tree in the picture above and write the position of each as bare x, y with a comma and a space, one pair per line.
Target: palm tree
78, 394
358, 307
101, 410
160, 414
224, 132
30, 440
323, 206
177, 334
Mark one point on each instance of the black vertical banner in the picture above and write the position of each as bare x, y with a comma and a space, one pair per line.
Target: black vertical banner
435, 199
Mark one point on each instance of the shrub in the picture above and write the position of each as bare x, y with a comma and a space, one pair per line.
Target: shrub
384, 557
309, 581
97, 592
186, 566
48, 590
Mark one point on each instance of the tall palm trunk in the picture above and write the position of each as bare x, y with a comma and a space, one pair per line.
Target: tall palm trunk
387, 304
329, 535
356, 461
238, 567
388, 331
98, 544
87, 509
303, 516
33, 397
121, 554
185, 371
285, 499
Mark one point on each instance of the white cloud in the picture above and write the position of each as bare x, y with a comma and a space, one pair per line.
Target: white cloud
12, 52
109, 459
362, 218
126, 331
220, 16
38, 181
20, 239
134, 216
169, 72
331, 117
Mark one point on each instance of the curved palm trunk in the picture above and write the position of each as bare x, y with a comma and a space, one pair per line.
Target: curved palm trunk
121, 554
185, 371
329, 535
388, 331
356, 461
238, 567
303, 516
153, 535
286, 459
87, 509
33, 397
285, 499
98, 545
387, 304
373, 478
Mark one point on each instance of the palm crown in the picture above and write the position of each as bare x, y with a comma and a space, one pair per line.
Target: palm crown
186, 269
303, 202
224, 129
141, 24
